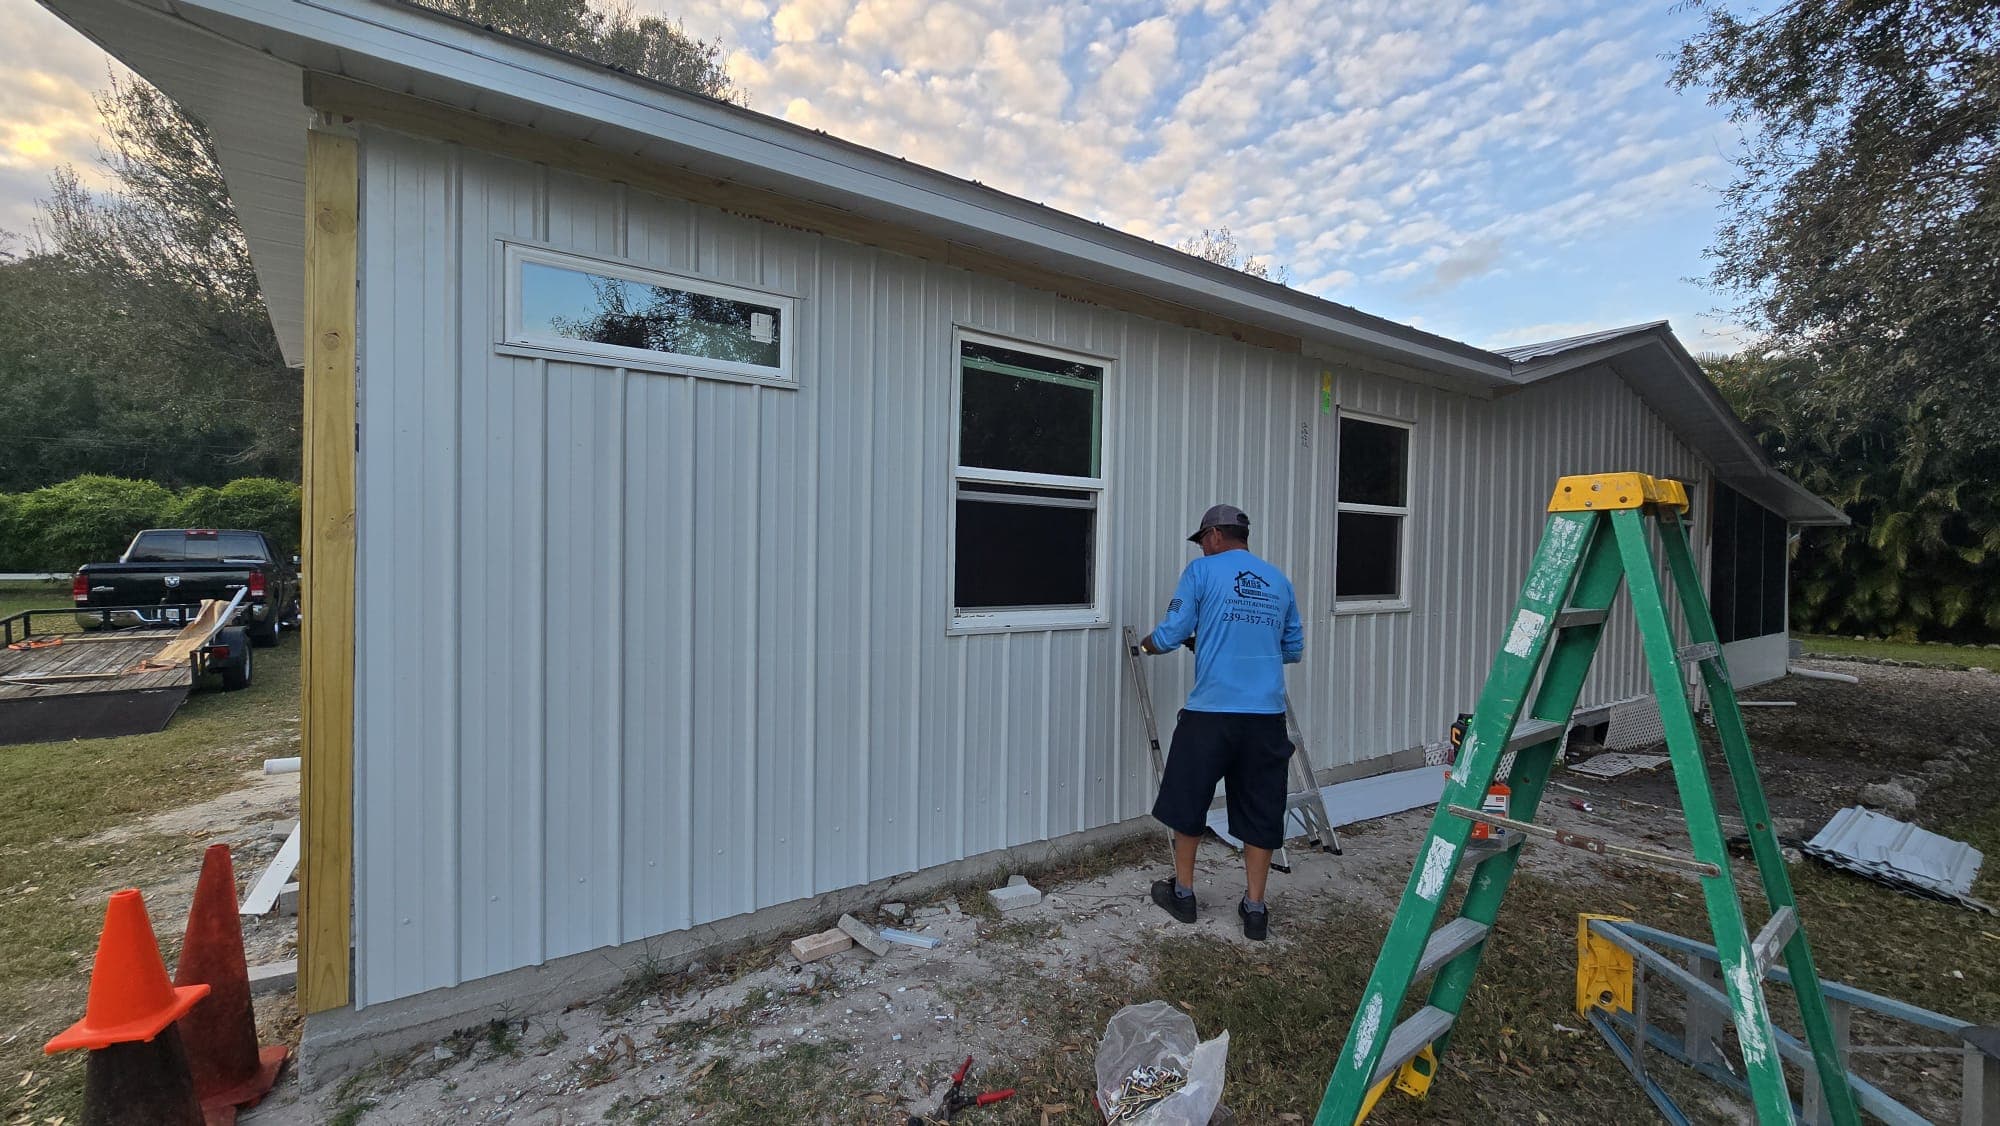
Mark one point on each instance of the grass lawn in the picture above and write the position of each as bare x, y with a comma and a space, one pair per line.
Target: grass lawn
54, 876
1967, 655
18, 596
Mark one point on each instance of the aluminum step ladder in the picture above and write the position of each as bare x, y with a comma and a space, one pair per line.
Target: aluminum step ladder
1305, 804
1599, 536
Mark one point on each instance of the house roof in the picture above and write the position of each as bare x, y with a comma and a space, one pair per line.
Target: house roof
239, 66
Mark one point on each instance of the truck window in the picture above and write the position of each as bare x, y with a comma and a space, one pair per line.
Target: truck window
156, 547
244, 546
179, 546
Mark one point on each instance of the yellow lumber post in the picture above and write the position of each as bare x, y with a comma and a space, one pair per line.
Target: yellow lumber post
326, 789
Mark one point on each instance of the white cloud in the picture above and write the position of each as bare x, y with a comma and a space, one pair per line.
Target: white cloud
1399, 154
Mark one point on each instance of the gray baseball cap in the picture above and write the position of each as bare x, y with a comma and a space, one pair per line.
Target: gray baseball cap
1220, 516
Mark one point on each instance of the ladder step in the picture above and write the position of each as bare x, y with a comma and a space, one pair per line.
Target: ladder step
1532, 732
1409, 1038
1570, 619
1448, 942
1501, 840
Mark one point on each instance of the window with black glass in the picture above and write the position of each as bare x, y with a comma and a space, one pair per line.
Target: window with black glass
1028, 483
1372, 513
639, 317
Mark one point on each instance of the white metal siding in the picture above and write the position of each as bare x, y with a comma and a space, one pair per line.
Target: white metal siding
642, 651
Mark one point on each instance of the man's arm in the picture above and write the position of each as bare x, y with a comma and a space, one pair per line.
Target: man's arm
1293, 644
1181, 619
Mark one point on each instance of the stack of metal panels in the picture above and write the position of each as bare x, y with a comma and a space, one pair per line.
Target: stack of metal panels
1897, 853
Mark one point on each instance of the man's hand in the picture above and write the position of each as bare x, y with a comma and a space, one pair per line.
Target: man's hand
1146, 646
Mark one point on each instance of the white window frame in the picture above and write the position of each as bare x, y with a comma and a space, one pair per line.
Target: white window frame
1097, 614
518, 339
1353, 605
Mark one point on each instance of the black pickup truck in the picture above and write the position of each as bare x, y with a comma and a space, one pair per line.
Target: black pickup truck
177, 566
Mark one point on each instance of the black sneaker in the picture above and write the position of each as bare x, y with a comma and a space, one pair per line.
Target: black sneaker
1256, 924
1179, 906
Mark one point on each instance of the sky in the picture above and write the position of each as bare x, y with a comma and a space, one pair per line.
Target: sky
1496, 173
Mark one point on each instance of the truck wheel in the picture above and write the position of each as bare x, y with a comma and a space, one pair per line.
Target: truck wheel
266, 635
235, 674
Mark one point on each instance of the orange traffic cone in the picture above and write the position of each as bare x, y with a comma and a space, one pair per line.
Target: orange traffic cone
229, 1070
138, 1072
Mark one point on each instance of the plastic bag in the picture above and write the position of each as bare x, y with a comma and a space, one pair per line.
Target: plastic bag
1156, 1034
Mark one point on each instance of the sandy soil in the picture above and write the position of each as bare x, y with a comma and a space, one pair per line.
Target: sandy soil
911, 1016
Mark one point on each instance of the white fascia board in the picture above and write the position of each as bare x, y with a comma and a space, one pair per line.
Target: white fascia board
413, 51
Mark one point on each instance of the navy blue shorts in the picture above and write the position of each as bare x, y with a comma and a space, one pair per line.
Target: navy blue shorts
1250, 752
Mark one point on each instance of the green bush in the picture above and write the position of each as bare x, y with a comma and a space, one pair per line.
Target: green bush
258, 504
87, 519
90, 519
13, 553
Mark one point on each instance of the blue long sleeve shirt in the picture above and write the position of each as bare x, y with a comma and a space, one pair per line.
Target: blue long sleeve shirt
1245, 619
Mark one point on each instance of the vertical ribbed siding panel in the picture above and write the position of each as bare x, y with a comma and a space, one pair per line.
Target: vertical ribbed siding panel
654, 599
784, 596
411, 424
722, 539
581, 651
696, 659
895, 379
839, 850
938, 776
498, 586
580, 656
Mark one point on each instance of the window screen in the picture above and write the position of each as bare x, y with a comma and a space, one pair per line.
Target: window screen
1748, 562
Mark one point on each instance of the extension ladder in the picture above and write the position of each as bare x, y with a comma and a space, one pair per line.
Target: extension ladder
1304, 802
1600, 533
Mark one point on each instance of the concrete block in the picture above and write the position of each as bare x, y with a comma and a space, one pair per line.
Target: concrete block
276, 977
1017, 881
288, 900
813, 947
1014, 897
863, 935
895, 910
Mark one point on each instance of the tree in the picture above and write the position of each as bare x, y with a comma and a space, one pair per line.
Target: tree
133, 335
1863, 219
1219, 246
612, 34
1922, 557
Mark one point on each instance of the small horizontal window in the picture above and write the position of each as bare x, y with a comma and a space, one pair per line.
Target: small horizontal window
637, 317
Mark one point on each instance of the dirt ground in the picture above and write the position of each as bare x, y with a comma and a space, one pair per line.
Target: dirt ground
758, 1038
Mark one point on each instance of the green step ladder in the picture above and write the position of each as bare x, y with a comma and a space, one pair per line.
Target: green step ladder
1601, 532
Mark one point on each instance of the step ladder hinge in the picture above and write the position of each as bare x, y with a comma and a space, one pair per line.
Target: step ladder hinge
1699, 651
1770, 942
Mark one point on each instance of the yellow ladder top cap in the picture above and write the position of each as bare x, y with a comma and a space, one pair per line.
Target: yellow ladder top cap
1603, 492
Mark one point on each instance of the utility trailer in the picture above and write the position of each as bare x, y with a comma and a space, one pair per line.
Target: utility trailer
61, 679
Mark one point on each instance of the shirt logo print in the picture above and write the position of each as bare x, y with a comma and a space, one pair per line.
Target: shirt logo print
1250, 584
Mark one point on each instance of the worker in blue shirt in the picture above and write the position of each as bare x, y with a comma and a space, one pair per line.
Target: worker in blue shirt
1241, 615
